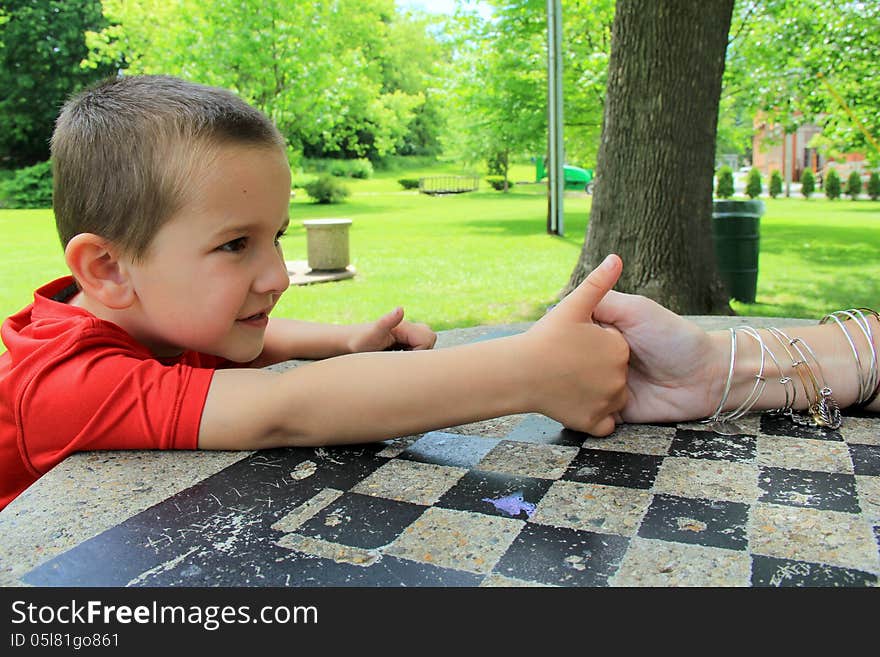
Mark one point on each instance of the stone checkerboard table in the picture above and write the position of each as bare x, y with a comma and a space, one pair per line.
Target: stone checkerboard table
515, 501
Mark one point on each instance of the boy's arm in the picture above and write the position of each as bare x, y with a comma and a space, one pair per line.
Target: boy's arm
290, 338
565, 367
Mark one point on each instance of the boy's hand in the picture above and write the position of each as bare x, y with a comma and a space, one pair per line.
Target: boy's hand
391, 331
579, 368
676, 369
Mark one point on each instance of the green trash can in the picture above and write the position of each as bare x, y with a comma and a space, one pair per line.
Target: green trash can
736, 236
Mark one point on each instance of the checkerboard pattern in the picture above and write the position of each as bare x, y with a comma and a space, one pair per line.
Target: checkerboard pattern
537, 505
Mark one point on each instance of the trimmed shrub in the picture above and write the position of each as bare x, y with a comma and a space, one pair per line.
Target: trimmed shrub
725, 182
360, 168
874, 186
497, 182
854, 185
808, 183
775, 184
327, 189
754, 186
832, 184
408, 183
30, 187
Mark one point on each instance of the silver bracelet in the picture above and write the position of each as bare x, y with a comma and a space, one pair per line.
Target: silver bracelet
785, 381
714, 418
823, 410
867, 379
760, 382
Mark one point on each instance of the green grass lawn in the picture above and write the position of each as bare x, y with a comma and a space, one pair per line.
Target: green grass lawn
485, 258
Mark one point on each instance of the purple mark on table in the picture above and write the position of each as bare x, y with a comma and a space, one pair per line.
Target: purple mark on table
512, 504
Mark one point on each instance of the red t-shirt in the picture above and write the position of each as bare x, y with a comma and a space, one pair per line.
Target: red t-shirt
71, 382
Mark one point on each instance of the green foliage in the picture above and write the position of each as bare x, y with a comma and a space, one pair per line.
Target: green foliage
808, 183
408, 183
360, 168
30, 187
327, 189
351, 77
724, 187
497, 182
754, 186
41, 47
832, 184
854, 185
793, 61
874, 186
775, 183
498, 97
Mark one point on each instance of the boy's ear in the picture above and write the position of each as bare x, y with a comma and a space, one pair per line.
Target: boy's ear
96, 266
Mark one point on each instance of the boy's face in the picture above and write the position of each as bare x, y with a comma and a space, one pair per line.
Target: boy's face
215, 270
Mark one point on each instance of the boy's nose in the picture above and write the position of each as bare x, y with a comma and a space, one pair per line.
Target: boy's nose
274, 277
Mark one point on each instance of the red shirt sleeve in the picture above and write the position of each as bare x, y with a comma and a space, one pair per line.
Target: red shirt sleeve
99, 394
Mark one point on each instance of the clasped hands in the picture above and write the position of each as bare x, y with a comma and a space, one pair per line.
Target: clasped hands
598, 358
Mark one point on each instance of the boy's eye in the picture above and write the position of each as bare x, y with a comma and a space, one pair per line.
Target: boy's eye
234, 246
279, 235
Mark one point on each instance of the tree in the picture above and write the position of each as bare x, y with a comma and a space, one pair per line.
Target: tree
330, 74
658, 137
789, 60
42, 43
753, 184
808, 183
725, 182
874, 186
775, 184
500, 89
854, 185
832, 184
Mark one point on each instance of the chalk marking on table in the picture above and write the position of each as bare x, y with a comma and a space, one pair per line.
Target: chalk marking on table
161, 568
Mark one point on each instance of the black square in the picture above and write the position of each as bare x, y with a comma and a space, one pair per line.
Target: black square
831, 491
598, 466
361, 521
495, 494
781, 425
563, 557
770, 571
866, 459
541, 429
710, 445
450, 449
305, 570
699, 522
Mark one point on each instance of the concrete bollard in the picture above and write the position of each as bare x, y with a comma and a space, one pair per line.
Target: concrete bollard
327, 241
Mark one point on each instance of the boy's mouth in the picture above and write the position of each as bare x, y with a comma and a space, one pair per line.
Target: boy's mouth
257, 318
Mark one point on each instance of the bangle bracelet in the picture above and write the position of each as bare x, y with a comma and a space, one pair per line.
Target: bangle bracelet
868, 380
760, 382
822, 409
785, 381
714, 419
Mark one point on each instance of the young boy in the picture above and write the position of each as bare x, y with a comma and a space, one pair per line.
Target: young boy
170, 199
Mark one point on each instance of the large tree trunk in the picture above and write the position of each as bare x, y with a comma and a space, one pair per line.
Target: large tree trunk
653, 195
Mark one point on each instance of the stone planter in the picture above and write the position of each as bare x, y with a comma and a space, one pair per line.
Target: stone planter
327, 241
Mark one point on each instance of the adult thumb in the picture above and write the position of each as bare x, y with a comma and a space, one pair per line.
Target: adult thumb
579, 304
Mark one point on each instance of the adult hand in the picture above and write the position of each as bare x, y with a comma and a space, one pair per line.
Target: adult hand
676, 369
391, 331
579, 368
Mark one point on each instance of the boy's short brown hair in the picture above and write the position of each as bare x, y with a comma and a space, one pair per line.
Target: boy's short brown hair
124, 153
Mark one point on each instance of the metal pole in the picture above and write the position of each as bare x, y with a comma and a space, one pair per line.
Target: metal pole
555, 172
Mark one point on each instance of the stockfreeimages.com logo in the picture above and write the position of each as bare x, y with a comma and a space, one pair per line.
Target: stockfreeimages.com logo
210, 617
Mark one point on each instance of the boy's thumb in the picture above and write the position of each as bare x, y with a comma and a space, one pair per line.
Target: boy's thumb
579, 304
390, 320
